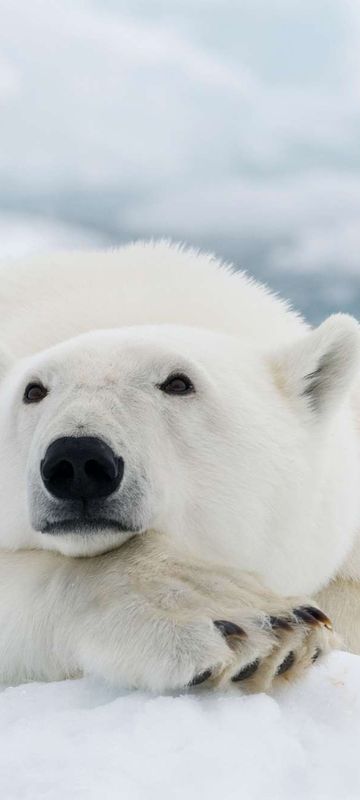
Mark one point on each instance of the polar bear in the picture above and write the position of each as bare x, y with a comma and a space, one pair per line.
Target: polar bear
169, 427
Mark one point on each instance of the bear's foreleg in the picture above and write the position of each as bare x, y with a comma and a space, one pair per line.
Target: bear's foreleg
145, 617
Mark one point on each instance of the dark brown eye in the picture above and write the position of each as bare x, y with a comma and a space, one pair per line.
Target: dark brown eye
177, 384
34, 392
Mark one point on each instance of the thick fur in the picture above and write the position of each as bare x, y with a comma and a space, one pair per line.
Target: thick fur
143, 617
257, 470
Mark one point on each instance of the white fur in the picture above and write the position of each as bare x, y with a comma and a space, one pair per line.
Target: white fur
259, 469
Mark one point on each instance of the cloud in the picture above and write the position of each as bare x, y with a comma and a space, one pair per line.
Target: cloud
336, 247
316, 213
207, 120
21, 236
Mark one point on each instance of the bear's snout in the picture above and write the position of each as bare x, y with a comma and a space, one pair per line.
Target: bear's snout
80, 468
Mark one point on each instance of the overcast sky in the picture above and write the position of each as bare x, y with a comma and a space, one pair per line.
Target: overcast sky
234, 124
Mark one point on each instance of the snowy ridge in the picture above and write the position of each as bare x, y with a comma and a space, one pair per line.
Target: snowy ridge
79, 739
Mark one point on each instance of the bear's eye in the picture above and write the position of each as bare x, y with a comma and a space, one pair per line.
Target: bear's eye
34, 392
177, 384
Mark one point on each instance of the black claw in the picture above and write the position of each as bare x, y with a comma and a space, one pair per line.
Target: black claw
288, 662
204, 676
246, 672
316, 655
281, 622
304, 615
319, 615
229, 628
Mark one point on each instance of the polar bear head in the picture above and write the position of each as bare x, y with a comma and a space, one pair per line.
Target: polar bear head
232, 450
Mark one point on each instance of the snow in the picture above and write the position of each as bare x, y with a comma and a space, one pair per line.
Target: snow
81, 739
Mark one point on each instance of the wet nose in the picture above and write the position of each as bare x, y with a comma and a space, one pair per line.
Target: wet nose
83, 467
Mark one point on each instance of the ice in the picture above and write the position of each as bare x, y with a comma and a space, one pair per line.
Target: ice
81, 739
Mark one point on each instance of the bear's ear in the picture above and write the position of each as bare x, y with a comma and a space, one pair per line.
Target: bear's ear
319, 369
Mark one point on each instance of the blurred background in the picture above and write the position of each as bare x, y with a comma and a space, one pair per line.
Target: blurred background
233, 125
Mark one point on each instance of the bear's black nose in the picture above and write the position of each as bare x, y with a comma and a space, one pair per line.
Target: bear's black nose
81, 467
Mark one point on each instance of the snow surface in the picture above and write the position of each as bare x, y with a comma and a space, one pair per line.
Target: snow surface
81, 739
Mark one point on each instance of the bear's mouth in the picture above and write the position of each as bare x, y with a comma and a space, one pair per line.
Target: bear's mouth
119, 515
93, 525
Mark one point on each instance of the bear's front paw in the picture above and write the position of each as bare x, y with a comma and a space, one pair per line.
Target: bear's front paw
254, 653
231, 630
180, 624
271, 648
